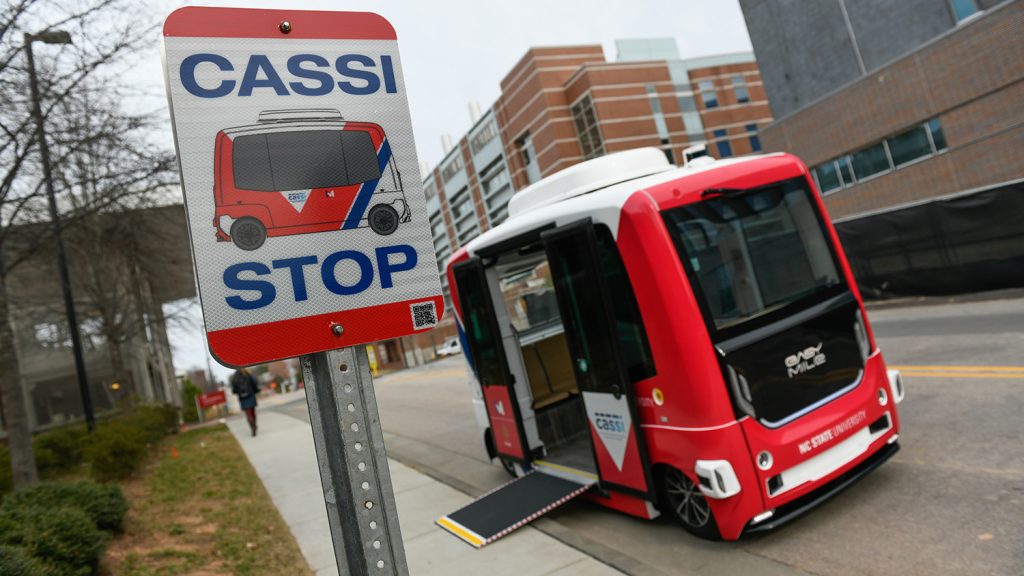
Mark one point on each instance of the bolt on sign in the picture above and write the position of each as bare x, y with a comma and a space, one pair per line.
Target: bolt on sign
306, 212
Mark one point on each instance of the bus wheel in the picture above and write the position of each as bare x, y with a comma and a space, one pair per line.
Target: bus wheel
248, 233
383, 219
684, 501
508, 466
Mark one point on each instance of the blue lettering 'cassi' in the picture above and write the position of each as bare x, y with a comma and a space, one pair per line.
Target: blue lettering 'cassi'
209, 75
390, 260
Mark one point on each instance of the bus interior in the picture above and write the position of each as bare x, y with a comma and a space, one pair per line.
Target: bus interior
530, 305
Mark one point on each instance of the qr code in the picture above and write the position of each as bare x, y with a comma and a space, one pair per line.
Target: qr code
424, 315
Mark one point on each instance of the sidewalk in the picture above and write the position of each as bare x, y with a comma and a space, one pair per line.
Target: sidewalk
285, 460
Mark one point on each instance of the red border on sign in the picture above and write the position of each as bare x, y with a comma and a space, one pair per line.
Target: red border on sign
203, 22
247, 345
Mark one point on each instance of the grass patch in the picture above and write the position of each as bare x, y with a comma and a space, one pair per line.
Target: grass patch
204, 511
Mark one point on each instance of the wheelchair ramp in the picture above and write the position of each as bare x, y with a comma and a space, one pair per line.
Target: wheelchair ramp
512, 506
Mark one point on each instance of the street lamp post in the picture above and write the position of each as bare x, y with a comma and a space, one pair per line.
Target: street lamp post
58, 37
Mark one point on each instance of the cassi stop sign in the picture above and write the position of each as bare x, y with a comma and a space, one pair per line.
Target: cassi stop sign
306, 212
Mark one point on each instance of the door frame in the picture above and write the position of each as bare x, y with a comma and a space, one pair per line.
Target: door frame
474, 265
586, 226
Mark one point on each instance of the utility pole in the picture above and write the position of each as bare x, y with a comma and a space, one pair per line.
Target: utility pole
58, 37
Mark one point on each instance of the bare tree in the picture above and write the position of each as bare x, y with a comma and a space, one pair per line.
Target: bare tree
73, 79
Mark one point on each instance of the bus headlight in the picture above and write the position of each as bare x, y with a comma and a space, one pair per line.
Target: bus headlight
765, 460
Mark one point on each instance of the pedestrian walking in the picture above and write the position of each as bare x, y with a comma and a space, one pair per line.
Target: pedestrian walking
244, 385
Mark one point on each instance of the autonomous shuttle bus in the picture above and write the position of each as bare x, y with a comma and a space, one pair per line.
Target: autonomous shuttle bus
304, 171
685, 341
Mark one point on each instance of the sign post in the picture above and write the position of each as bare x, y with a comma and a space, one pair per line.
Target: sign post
308, 226
353, 466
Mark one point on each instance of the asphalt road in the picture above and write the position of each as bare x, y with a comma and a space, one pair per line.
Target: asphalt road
951, 502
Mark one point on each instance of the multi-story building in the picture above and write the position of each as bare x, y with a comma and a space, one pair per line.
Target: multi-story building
562, 105
894, 102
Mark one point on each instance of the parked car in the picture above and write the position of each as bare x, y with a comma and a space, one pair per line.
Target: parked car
451, 347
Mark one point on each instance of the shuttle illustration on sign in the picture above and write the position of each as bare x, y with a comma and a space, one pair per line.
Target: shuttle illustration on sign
304, 171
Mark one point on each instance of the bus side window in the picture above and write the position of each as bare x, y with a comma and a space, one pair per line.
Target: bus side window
633, 345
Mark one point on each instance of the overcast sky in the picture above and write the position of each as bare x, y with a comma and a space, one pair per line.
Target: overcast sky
456, 51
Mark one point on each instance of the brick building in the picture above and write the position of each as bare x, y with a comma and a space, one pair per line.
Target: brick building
562, 105
897, 103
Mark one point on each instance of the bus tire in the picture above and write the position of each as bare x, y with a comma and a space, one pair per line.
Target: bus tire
682, 500
248, 233
509, 466
383, 219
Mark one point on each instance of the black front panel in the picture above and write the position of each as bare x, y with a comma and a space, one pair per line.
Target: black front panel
786, 372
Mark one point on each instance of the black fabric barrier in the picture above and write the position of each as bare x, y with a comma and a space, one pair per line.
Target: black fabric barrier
969, 243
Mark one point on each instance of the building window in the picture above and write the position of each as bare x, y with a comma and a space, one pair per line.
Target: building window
845, 170
452, 168
659, 118
724, 147
740, 87
586, 128
529, 156
870, 161
938, 137
755, 140
909, 146
708, 94
433, 202
691, 117
894, 152
964, 9
827, 177
483, 137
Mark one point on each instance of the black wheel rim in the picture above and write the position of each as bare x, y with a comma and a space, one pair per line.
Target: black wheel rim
686, 499
248, 234
385, 221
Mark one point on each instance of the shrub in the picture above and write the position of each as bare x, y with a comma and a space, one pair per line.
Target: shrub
59, 450
105, 505
16, 562
189, 391
64, 537
115, 450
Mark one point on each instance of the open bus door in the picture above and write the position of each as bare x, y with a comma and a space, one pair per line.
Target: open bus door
589, 318
487, 356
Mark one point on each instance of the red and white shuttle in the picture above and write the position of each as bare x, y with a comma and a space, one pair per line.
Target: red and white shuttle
684, 341
304, 171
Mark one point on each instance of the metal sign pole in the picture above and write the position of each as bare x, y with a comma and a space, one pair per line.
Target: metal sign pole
353, 465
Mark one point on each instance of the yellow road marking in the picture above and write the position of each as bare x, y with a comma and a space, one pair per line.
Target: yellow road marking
461, 532
959, 375
939, 368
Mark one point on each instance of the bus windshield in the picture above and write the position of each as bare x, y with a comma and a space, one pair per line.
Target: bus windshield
753, 252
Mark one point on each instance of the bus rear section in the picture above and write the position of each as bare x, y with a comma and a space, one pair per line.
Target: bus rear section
690, 342
301, 172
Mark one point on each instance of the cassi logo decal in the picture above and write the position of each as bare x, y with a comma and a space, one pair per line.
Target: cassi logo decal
307, 75
805, 360
611, 420
297, 198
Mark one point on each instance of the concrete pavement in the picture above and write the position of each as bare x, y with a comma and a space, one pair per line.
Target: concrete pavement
285, 460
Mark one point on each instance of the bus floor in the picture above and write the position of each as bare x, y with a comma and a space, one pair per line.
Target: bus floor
575, 453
